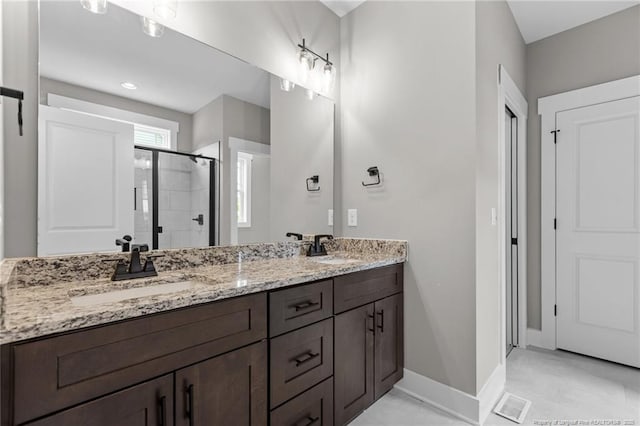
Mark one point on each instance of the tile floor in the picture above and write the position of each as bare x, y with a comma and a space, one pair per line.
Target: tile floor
560, 385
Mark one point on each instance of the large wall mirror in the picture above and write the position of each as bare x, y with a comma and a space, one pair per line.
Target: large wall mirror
148, 137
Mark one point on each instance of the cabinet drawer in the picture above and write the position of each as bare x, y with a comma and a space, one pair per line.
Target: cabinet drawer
61, 371
299, 306
314, 407
360, 288
147, 404
299, 360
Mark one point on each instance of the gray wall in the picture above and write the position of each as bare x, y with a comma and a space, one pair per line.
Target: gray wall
301, 146
498, 41
600, 51
408, 107
89, 95
20, 69
227, 25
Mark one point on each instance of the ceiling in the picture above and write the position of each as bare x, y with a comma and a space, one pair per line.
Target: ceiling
342, 7
173, 71
538, 19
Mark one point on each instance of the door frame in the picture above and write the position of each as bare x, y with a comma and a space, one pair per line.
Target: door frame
510, 96
548, 108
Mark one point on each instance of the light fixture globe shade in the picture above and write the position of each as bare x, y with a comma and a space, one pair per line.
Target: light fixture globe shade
328, 78
95, 6
152, 28
306, 65
166, 9
286, 85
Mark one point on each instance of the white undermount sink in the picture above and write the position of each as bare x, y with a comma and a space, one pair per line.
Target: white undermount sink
330, 260
130, 293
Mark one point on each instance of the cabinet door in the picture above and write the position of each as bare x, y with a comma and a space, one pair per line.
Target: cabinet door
147, 404
354, 335
389, 343
230, 389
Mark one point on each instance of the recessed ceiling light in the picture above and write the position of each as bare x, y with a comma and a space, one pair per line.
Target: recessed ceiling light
128, 85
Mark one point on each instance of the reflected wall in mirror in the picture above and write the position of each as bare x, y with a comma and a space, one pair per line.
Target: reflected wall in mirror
169, 141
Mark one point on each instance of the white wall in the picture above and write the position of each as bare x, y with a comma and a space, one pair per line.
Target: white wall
408, 107
498, 41
301, 147
603, 50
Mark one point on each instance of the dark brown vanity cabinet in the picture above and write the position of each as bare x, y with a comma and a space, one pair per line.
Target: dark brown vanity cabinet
314, 354
369, 341
230, 389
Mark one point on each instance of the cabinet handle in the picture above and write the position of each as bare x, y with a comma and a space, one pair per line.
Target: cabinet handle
381, 326
305, 305
371, 317
310, 420
303, 359
162, 408
189, 407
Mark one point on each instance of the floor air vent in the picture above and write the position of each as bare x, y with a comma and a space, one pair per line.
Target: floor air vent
512, 407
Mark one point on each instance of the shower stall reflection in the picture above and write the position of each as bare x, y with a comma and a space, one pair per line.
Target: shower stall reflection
174, 199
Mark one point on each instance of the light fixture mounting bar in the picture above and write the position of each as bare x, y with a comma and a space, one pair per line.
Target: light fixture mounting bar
304, 47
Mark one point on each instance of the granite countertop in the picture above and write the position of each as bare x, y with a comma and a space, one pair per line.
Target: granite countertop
34, 308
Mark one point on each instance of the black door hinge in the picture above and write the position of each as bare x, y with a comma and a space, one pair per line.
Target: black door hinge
555, 223
514, 241
555, 135
555, 310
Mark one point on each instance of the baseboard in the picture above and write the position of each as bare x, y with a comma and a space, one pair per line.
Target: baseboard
534, 337
469, 408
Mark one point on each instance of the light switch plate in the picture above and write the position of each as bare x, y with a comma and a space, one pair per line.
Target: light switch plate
352, 217
330, 217
494, 216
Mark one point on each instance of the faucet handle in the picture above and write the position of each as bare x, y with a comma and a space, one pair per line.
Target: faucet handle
148, 263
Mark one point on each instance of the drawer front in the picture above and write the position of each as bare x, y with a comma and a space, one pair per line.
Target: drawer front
61, 371
360, 288
312, 408
299, 360
299, 306
147, 404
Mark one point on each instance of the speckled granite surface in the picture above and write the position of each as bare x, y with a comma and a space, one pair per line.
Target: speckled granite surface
39, 295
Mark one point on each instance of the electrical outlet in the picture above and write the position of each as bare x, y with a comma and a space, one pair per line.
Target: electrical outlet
330, 217
352, 217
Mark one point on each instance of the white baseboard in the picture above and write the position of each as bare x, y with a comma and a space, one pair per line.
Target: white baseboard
534, 337
469, 408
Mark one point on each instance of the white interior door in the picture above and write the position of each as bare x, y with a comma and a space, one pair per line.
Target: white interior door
598, 231
85, 182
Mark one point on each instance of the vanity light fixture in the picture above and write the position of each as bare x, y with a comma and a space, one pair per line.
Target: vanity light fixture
128, 85
152, 28
307, 59
286, 85
310, 94
166, 9
95, 6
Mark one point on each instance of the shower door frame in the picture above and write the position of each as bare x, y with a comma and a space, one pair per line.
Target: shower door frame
213, 169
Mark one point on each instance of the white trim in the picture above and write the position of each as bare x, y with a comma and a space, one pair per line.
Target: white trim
534, 337
509, 95
249, 158
469, 408
548, 107
240, 145
117, 114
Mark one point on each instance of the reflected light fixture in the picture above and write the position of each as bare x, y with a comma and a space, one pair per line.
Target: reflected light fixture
307, 59
166, 9
95, 6
310, 94
286, 85
128, 85
152, 28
